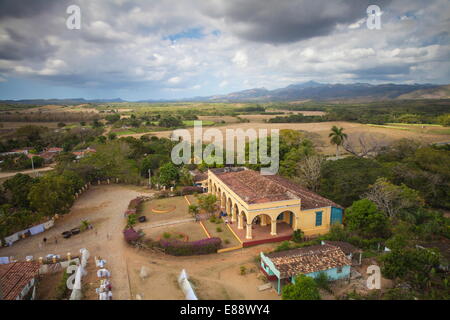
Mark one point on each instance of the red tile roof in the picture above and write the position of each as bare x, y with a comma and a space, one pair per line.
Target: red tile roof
15, 276
253, 187
308, 259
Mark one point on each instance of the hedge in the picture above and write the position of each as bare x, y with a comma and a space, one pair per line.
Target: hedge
192, 190
180, 248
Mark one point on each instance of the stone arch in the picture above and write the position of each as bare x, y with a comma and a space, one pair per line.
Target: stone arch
288, 217
262, 219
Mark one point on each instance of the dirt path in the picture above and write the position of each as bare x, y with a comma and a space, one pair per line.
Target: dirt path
4, 175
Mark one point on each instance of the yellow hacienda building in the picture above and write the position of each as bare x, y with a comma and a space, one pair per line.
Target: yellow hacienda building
270, 208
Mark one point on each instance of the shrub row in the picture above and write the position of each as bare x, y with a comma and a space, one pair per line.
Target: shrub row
191, 190
180, 248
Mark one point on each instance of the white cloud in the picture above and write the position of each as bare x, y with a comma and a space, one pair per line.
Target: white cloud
174, 80
125, 45
240, 59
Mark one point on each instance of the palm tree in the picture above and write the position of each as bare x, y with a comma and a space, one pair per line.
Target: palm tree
337, 137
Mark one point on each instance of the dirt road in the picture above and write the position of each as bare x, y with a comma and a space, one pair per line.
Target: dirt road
4, 175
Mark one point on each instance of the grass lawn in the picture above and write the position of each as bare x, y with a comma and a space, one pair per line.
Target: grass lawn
192, 199
192, 229
415, 124
179, 212
388, 127
190, 123
225, 234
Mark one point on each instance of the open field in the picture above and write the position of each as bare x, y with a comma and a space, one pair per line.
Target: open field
192, 229
58, 108
227, 119
177, 207
318, 132
433, 129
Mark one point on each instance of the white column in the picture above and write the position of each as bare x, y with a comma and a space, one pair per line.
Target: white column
249, 231
233, 214
263, 221
273, 229
240, 222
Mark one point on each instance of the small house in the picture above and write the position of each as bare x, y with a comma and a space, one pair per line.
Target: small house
284, 266
18, 280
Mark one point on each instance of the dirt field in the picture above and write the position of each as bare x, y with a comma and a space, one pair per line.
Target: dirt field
319, 132
213, 276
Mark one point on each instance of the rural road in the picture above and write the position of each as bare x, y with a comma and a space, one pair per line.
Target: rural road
13, 173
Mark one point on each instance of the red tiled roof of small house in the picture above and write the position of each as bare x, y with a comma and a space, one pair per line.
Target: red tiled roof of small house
308, 259
15, 276
253, 187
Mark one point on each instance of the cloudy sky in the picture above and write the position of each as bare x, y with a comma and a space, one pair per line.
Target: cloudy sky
183, 48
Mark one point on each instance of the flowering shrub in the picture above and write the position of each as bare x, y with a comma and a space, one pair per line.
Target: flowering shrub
180, 248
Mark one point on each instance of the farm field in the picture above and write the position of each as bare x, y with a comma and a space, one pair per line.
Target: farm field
318, 132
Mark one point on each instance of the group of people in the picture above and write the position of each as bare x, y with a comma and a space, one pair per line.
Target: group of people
105, 290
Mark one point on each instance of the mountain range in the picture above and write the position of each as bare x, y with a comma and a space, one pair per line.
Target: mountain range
310, 90
323, 91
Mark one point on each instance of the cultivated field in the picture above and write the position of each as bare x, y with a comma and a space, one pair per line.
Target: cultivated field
318, 132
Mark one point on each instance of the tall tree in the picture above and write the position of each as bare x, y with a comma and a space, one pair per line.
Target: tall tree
337, 137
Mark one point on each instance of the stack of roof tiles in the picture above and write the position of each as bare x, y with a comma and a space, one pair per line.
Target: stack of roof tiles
15, 276
253, 187
309, 259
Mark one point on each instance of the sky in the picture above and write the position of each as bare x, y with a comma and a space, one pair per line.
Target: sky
171, 49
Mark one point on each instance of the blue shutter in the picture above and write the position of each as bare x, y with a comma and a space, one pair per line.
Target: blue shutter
336, 215
318, 218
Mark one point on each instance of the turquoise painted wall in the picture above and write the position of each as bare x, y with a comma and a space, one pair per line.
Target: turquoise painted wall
332, 274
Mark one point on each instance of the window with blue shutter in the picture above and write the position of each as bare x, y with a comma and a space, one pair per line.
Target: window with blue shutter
336, 215
318, 218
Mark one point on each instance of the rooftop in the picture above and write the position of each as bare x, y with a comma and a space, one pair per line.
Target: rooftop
308, 259
253, 188
346, 247
15, 276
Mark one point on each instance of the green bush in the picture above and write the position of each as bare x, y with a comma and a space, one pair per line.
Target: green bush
297, 236
304, 288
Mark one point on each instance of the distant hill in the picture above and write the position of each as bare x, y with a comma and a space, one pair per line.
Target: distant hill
310, 90
322, 91
441, 92
44, 102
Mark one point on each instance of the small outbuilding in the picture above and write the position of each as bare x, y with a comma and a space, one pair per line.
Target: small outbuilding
18, 280
284, 266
